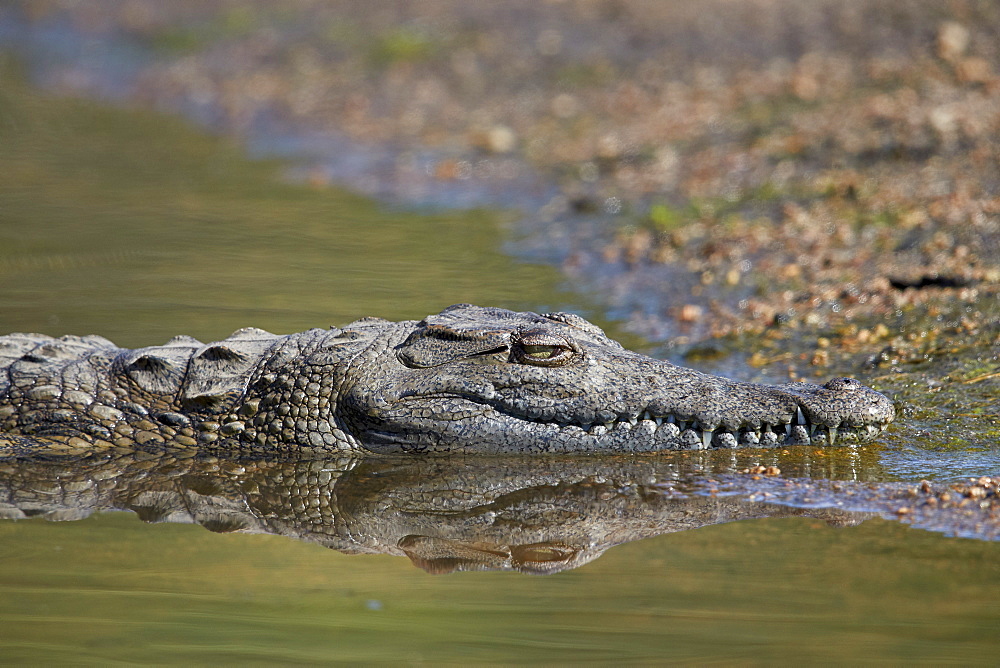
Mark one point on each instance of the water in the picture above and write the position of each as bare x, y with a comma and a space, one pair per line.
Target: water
135, 227
701, 586
793, 588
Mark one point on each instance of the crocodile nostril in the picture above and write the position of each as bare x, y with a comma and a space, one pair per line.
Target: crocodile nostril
843, 384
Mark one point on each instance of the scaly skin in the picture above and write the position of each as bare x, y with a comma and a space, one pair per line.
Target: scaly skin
469, 379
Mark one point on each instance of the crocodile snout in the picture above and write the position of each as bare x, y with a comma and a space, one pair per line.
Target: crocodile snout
843, 402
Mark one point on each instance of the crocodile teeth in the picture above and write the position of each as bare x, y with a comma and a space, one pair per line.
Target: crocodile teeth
648, 423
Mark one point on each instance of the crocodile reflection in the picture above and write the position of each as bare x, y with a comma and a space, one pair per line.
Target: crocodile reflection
531, 514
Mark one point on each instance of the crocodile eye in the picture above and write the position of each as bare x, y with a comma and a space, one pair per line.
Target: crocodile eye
543, 355
541, 350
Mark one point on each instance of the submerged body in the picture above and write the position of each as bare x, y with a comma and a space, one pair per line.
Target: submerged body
469, 379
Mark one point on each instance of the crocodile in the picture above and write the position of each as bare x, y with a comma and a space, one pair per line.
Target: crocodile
468, 379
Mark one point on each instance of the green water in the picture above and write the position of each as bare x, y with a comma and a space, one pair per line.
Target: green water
111, 589
136, 227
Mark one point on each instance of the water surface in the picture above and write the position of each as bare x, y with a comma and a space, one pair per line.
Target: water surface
133, 226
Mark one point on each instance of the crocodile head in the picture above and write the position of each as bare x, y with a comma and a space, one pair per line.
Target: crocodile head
492, 380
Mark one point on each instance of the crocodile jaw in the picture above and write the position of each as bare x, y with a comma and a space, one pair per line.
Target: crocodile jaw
485, 418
